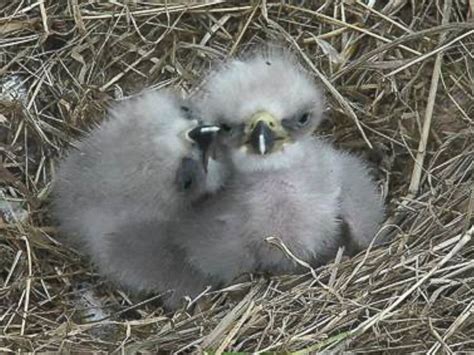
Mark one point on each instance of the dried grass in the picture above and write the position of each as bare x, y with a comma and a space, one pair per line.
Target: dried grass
399, 77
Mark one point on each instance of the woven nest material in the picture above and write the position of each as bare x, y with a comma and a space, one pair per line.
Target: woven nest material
398, 76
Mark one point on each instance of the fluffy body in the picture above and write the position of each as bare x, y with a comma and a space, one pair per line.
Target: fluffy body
280, 202
115, 195
303, 194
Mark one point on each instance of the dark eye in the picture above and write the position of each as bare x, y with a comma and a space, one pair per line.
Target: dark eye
187, 183
188, 114
303, 119
226, 128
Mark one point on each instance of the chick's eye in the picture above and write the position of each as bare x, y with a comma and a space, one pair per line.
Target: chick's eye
226, 128
303, 119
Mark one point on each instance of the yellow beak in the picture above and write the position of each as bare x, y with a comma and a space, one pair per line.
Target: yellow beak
264, 134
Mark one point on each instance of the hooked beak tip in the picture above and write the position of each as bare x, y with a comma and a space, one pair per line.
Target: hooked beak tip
204, 137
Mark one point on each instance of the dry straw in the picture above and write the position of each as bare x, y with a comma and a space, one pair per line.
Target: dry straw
399, 78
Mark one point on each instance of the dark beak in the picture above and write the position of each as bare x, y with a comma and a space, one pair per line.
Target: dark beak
262, 138
187, 174
204, 136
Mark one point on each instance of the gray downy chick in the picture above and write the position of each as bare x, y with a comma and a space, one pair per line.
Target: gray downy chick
282, 182
117, 192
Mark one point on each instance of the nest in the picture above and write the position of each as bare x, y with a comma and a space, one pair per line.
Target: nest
399, 82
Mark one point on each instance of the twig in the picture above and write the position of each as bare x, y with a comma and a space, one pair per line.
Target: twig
242, 32
351, 26
280, 245
465, 314
438, 51
337, 95
239, 310
466, 238
420, 156
28, 286
126, 70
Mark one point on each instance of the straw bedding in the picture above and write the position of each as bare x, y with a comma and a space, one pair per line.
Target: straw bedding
399, 80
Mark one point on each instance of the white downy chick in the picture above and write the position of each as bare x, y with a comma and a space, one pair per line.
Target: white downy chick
116, 194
